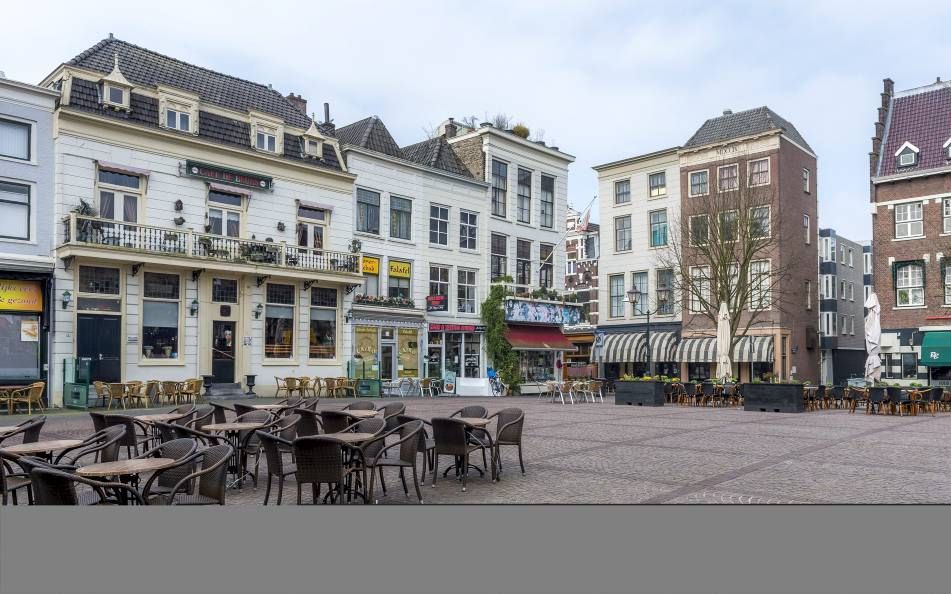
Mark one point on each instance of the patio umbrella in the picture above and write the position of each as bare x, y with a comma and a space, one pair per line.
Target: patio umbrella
724, 340
873, 339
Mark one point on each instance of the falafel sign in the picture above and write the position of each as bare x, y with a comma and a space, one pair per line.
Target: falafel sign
541, 312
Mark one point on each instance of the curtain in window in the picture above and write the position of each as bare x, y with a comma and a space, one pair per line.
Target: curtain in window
14, 211
107, 205
130, 209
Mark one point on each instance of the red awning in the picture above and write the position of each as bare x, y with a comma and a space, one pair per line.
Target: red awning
537, 338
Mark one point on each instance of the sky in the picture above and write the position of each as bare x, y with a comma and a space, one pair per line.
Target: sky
603, 80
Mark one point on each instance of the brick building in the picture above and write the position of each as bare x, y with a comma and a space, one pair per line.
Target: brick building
582, 249
910, 174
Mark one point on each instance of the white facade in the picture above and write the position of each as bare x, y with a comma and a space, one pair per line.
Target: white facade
624, 198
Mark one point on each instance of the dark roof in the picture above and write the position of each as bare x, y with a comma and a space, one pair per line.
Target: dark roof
144, 111
370, 133
744, 123
923, 118
147, 68
437, 153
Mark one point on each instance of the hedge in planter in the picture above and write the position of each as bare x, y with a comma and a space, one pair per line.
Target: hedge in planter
639, 392
773, 398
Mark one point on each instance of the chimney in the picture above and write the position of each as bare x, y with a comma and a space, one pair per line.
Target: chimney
298, 102
450, 128
889, 86
327, 124
888, 89
727, 112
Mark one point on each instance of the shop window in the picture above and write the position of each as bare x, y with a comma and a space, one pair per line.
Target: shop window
279, 321
161, 304
20, 330
371, 274
472, 349
323, 323
407, 343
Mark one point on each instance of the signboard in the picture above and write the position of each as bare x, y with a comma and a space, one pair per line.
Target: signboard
400, 269
16, 295
228, 176
437, 303
456, 328
541, 312
371, 265
29, 330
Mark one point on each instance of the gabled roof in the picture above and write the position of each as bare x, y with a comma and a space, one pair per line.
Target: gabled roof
744, 123
437, 153
143, 67
922, 118
370, 133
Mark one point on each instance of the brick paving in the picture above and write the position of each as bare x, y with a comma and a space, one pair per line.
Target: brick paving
603, 453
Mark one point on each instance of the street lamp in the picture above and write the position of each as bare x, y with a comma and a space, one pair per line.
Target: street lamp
634, 297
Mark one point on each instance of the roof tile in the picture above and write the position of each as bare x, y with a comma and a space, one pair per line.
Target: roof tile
744, 123
924, 120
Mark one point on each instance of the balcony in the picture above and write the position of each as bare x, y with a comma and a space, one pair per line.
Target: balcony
95, 237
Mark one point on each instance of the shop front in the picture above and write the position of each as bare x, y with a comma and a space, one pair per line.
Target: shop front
578, 364
386, 344
751, 355
936, 356
24, 328
541, 351
454, 355
625, 353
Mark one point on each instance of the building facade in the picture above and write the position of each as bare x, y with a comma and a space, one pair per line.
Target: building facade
910, 175
639, 197
422, 220
841, 308
203, 225
582, 250
27, 168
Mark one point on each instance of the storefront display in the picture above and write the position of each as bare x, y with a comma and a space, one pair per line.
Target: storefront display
21, 307
408, 352
454, 349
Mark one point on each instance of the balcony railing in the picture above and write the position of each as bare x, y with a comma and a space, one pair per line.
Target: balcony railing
162, 241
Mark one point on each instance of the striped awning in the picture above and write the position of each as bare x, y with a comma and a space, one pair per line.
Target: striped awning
704, 350
663, 347
623, 347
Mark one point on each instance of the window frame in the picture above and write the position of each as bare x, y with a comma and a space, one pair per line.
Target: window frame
724, 224
498, 262
946, 270
311, 225
759, 294
441, 224
661, 189
912, 290
401, 208
629, 231
736, 178
750, 173
702, 284
226, 210
546, 267
468, 229
651, 225
807, 228
293, 324
618, 194
769, 223
523, 265
464, 287
615, 302
693, 233
664, 291
547, 204
336, 324
523, 197
436, 284
120, 191
367, 208
909, 219
705, 184
30, 139
640, 308
30, 226
179, 321
499, 185
806, 180
946, 215
399, 280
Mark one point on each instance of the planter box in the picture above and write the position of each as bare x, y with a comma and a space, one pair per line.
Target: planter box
649, 393
773, 398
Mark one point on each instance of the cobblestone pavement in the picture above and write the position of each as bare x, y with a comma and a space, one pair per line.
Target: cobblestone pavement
603, 453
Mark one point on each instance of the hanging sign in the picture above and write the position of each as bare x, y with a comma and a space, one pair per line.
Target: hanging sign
228, 176
400, 269
16, 295
437, 303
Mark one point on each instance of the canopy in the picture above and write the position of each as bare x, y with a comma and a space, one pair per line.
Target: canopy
704, 350
724, 339
537, 338
630, 347
936, 349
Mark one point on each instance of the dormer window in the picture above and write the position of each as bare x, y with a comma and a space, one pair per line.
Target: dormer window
116, 95
266, 142
314, 148
178, 110
907, 155
267, 133
177, 120
313, 142
116, 88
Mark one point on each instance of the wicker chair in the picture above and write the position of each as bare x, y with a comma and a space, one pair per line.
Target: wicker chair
408, 444
291, 385
170, 431
248, 443
31, 396
322, 459
132, 439
348, 387
280, 386
309, 423
508, 432
102, 392
360, 405
426, 443
104, 445
202, 416
291, 402
135, 393
305, 385
335, 421
30, 430
221, 412
171, 391
427, 388
310, 403
274, 447
391, 413
471, 412
331, 386
210, 477
12, 480
452, 439
57, 487
164, 480
243, 409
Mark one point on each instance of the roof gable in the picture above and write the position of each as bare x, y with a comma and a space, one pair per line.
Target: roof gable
436, 153
921, 119
750, 122
370, 133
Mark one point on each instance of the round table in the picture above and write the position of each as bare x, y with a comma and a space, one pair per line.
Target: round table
160, 417
475, 421
125, 467
8, 429
269, 406
42, 447
352, 437
231, 431
362, 414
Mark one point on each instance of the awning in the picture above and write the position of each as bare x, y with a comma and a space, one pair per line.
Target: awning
697, 350
762, 349
623, 347
226, 189
936, 349
704, 350
537, 338
126, 169
663, 346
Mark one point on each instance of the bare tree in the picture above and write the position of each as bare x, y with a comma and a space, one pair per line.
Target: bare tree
501, 121
430, 131
470, 121
725, 249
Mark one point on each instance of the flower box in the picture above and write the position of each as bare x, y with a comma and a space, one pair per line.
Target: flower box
639, 393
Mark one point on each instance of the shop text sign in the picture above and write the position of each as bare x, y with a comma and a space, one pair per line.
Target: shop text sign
228, 176
371, 265
437, 303
21, 296
456, 328
400, 269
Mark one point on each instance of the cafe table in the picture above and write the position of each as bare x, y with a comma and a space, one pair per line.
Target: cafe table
362, 414
8, 429
352, 438
5, 395
268, 406
127, 470
232, 431
41, 447
151, 421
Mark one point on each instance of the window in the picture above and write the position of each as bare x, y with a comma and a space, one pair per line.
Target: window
699, 229
844, 325
266, 141
468, 230
946, 274
805, 181
842, 290
728, 178
570, 266
119, 196
500, 184
98, 281
868, 291
729, 226
115, 95
466, 291
909, 366
616, 282
946, 225
177, 120
224, 290
908, 220
224, 213
828, 286
852, 325
759, 172
700, 288
829, 324
759, 285
851, 291
806, 227
622, 191
401, 218
323, 323
851, 258
311, 227
808, 295
368, 211
439, 280
524, 210
523, 262
622, 234
279, 321
639, 284
909, 285
548, 201
665, 291
907, 158
399, 280
699, 183
658, 222
499, 257
439, 225
657, 184
759, 222
14, 211
160, 307
15, 140
546, 272
841, 254
371, 275
314, 148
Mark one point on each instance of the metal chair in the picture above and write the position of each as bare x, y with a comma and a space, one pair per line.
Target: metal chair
324, 459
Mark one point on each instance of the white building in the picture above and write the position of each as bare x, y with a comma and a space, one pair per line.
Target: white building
639, 202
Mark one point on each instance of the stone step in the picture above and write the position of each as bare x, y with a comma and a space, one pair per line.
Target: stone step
226, 391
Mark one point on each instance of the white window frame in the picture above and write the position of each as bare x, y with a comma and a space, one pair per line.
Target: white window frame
867, 262
30, 143
910, 285
736, 177
267, 125
806, 181
661, 189
442, 224
807, 228
438, 282
903, 162
30, 211
946, 211
226, 210
947, 281
750, 173
640, 308
760, 295
394, 200
461, 301
722, 225
617, 194
616, 307
294, 322
690, 175
909, 223
107, 89
650, 228
120, 191
468, 221
314, 228
851, 258
700, 283
630, 234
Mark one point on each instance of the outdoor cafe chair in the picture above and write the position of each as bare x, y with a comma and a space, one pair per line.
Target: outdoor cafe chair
210, 478
280, 386
134, 393
426, 443
324, 459
308, 423
12, 480
243, 409
408, 444
274, 447
331, 386
305, 385
933, 399
170, 431
472, 411
857, 396
309, 403
132, 438
291, 385
248, 444
31, 396
202, 416
391, 412
58, 487
164, 480
427, 387
291, 402
452, 439
347, 386
30, 430
104, 445
335, 421
102, 392
508, 432
221, 412
171, 391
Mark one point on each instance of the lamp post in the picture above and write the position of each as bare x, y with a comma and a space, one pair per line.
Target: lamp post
634, 297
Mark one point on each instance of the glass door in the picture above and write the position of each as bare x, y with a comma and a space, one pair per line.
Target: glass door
222, 354
387, 362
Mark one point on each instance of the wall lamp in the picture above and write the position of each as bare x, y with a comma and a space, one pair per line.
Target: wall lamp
67, 298
193, 309
258, 310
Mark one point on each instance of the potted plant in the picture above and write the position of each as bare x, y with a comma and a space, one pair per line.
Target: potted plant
148, 351
641, 391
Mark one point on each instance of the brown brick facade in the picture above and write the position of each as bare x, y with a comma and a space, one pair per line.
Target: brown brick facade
470, 153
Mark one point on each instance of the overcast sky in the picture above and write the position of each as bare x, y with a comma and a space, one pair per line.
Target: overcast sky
604, 80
